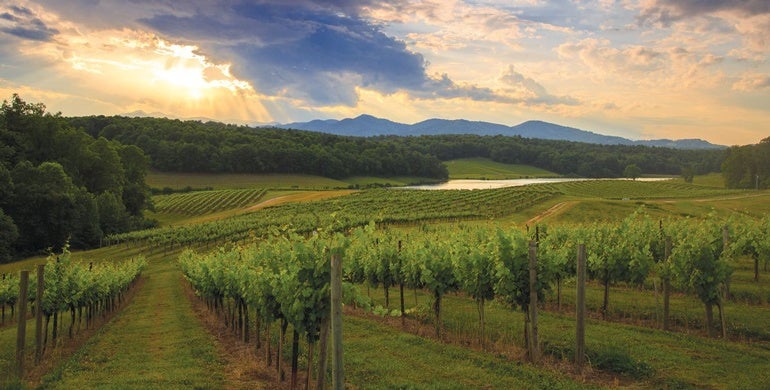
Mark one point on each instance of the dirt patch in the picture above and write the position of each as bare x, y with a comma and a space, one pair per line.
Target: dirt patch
559, 207
303, 196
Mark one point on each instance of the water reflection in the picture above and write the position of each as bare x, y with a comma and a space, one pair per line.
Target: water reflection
466, 184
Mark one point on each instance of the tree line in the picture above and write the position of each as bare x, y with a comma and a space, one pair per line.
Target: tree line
59, 184
747, 166
195, 146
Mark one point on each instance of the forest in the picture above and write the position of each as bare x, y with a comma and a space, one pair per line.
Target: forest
59, 184
194, 146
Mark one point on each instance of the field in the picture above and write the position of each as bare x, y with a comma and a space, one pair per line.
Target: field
481, 168
165, 337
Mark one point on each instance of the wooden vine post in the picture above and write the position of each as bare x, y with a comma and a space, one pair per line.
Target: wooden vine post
580, 336
338, 375
726, 290
401, 285
39, 313
534, 351
666, 287
21, 332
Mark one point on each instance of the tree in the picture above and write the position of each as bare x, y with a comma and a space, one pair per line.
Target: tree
43, 205
632, 171
688, 173
136, 193
8, 236
113, 217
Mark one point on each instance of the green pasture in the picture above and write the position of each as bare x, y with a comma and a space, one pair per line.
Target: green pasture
482, 168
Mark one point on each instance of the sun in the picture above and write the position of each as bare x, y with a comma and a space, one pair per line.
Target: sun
185, 80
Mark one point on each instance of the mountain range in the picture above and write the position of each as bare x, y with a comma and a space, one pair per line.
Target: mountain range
367, 125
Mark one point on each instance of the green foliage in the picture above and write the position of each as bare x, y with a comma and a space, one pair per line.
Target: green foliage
632, 171
475, 264
50, 174
511, 251
205, 202
475, 168
8, 235
384, 206
698, 262
688, 174
283, 277
747, 166
192, 146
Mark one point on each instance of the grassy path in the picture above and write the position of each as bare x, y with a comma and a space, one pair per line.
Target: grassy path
156, 342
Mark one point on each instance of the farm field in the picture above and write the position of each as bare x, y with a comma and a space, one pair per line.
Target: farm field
626, 350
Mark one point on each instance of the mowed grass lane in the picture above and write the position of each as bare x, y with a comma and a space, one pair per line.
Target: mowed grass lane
155, 342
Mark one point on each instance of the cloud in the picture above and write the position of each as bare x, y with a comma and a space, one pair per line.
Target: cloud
600, 55
315, 51
529, 91
750, 18
23, 23
668, 11
753, 83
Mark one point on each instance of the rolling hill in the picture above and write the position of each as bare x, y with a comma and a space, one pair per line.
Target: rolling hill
367, 125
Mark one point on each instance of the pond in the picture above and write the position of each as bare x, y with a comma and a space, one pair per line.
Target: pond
467, 184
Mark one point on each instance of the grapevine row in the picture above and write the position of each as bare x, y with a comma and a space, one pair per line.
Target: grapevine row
203, 202
383, 206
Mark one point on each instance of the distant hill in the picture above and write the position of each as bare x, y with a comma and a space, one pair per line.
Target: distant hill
367, 125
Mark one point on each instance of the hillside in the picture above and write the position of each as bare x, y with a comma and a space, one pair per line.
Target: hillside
367, 125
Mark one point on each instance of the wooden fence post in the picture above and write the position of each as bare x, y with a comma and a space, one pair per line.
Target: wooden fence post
534, 352
39, 313
21, 333
580, 336
666, 287
338, 375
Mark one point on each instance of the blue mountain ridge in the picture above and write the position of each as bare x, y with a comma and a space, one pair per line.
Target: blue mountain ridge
367, 126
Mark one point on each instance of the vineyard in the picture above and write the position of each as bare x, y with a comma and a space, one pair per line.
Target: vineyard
206, 202
386, 206
285, 278
437, 286
630, 189
85, 292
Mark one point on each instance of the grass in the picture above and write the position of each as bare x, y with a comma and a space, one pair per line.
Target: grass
583, 210
221, 181
482, 168
381, 357
650, 358
156, 342
399, 181
218, 181
708, 180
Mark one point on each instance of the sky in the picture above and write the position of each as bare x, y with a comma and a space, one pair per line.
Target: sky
644, 69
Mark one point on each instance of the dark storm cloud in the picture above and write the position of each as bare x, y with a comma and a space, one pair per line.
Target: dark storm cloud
318, 51
23, 23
